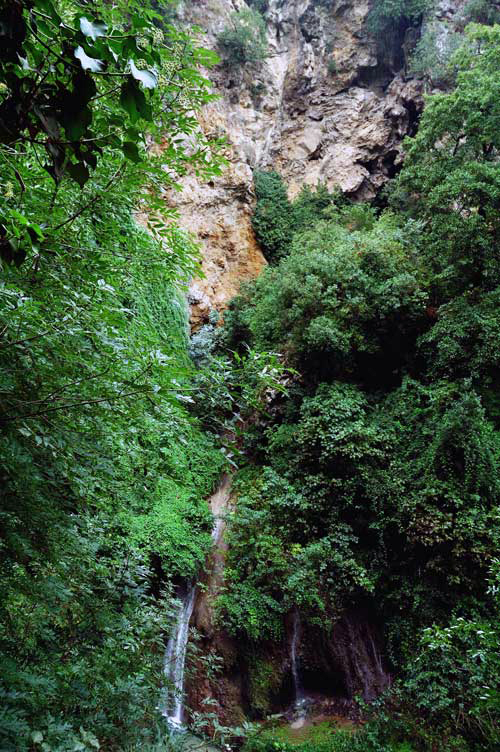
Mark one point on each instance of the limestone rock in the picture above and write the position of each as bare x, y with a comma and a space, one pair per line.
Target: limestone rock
321, 107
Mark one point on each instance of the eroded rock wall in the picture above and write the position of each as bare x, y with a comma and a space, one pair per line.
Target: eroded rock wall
291, 113
325, 105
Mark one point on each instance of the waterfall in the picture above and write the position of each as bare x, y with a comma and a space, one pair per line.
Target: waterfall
299, 704
175, 659
175, 653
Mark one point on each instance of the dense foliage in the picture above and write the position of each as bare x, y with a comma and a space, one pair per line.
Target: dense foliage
374, 483
354, 386
103, 471
393, 23
482, 11
276, 218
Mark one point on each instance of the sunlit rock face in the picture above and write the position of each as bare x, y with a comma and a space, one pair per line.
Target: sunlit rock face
322, 107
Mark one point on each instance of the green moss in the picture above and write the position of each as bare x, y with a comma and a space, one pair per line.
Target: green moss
265, 680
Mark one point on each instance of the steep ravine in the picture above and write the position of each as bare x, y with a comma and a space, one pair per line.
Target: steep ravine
345, 129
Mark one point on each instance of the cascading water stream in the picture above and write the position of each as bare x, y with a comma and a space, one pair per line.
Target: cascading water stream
175, 653
299, 696
175, 659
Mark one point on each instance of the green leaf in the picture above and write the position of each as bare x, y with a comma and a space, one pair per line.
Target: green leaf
84, 88
92, 29
79, 173
37, 737
48, 7
88, 63
133, 101
131, 151
35, 232
128, 100
77, 122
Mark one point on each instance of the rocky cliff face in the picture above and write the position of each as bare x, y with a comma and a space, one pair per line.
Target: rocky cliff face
324, 106
321, 107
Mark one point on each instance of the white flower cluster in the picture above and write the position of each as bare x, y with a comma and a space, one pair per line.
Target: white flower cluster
157, 36
169, 67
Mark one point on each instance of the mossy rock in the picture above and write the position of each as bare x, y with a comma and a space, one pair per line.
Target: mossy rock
266, 675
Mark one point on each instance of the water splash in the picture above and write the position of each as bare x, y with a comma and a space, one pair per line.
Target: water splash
300, 700
175, 660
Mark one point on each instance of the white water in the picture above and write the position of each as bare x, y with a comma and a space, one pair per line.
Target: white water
175, 654
175, 659
300, 698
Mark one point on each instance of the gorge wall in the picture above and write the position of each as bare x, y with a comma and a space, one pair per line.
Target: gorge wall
324, 105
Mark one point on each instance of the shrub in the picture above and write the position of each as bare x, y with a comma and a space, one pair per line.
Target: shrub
244, 41
332, 66
482, 11
338, 296
389, 14
273, 216
276, 219
388, 21
432, 57
453, 682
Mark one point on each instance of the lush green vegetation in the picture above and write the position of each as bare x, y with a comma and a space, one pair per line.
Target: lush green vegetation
374, 483
324, 736
390, 13
276, 218
354, 384
482, 11
103, 471
244, 40
432, 57
389, 22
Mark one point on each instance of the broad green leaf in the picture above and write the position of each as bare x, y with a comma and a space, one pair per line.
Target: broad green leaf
128, 100
48, 7
79, 172
35, 232
131, 151
132, 100
76, 122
